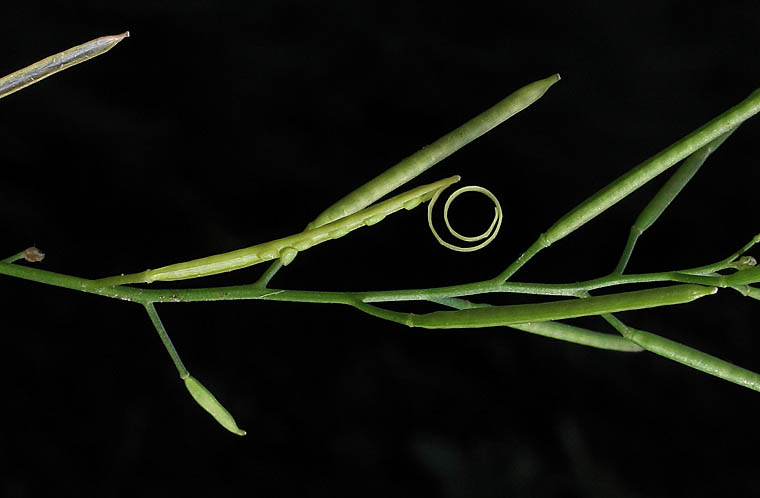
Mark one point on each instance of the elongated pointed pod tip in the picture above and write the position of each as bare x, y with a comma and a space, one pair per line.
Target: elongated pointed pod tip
537, 89
549, 81
111, 40
696, 291
55, 63
209, 403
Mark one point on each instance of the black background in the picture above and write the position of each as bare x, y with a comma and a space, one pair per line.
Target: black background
218, 125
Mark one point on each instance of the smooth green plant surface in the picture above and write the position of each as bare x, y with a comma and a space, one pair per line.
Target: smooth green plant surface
360, 208
286, 248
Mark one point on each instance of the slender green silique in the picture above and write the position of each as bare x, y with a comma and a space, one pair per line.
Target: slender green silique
654, 209
641, 174
696, 359
688, 356
651, 213
557, 330
578, 335
638, 176
422, 160
739, 271
493, 316
287, 247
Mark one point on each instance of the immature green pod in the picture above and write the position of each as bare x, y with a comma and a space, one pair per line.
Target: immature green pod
285, 248
422, 160
493, 316
743, 277
696, 359
644, 172
209, 403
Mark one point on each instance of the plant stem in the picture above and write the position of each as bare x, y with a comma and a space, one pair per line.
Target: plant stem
183, 373
696, 276
412, 166
557, 330
637, 177
652, 212
12, 259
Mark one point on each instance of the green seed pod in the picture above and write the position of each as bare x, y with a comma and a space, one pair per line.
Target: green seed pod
743, 277
209, 403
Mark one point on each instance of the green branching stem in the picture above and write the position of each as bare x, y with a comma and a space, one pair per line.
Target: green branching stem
14, 258
651, 213
555, 330
637, 177
414, 165
183, 373
688, 356
359, 208
697, 276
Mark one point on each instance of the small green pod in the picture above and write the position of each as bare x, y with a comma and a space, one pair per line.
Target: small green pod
209, 403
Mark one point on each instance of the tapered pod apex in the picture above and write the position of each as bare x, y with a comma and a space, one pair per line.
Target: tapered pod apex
550, 80
58, 62
209, 403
